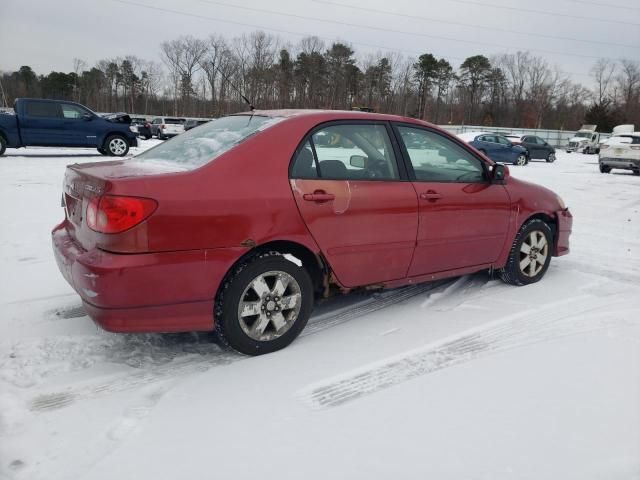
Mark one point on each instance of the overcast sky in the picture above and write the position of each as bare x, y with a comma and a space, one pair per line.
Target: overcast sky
49, 34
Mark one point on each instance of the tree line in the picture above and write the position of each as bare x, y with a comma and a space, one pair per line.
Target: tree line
206, 77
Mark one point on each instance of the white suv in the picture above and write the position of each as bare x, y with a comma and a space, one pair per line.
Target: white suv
622, 150
165, 127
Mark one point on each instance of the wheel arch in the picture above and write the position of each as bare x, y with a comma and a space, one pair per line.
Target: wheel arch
549, 219
109, 133
312, 262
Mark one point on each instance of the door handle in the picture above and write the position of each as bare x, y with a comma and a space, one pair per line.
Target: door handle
318, 196
430, 195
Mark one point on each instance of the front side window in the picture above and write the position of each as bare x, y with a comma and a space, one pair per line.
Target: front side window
503, 141
196, 147
350, 152
435, 158
72, 111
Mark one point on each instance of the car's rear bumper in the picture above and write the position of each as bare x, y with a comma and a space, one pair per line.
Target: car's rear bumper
624, 163
565, 224
150, 292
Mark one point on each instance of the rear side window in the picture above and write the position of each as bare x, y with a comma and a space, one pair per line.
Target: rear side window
196, 147
44, 110
438, 159
347, 152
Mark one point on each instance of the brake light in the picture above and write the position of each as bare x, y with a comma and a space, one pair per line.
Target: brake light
162, 126
115, 214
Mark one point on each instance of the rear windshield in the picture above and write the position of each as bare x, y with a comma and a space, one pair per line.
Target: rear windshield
174, 121
196, 147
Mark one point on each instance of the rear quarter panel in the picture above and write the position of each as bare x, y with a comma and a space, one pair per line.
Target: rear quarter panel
242, 198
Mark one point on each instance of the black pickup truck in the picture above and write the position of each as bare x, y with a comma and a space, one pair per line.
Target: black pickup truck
55, 123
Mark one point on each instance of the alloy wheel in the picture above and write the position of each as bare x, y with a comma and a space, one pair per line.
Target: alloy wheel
269, 305
117, 146
522, 160
533, 253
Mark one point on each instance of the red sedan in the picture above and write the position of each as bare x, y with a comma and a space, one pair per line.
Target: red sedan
242, 224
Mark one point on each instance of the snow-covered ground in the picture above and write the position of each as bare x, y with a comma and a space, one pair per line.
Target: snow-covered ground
465, 379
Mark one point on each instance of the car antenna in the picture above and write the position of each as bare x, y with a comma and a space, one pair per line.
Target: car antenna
251, 107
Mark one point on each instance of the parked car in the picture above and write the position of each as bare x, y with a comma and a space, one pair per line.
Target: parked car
586, 140
167, 127
497, 147
536, 146
55, 123
621, 151
242, 225
194, 122
141, 126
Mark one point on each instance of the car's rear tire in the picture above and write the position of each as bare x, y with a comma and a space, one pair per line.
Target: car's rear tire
521, 160
147, 137
636, 172
3, 145
530, 254
605, 168
264, 304
116, 146
551, 158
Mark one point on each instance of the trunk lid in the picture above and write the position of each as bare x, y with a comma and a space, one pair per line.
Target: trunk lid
84, 182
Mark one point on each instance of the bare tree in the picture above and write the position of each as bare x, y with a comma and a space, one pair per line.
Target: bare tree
602, 72
183, 56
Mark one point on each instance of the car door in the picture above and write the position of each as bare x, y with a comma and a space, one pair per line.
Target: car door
490, 145
78, 126
463, 217
42, 124
505, 149
356, 201
535, 149
544, 148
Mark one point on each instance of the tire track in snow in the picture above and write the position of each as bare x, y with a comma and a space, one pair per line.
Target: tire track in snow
555, 320
179, 366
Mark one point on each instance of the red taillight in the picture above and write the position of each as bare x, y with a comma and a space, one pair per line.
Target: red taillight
147, 125
115, 214
162, 125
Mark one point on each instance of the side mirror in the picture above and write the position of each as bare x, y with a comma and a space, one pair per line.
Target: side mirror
357, 161
499, 173
87, 117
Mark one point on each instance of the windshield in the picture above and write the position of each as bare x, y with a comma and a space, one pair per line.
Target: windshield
584, 134
196, 147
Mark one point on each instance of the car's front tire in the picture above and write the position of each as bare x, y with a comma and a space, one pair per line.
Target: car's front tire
530, 254
264, 304
551, 158
116, 146
521, 160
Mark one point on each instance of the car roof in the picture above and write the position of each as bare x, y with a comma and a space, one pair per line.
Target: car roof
336, 115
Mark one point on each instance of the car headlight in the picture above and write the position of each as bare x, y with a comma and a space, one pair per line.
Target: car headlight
133, 128
561, 202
